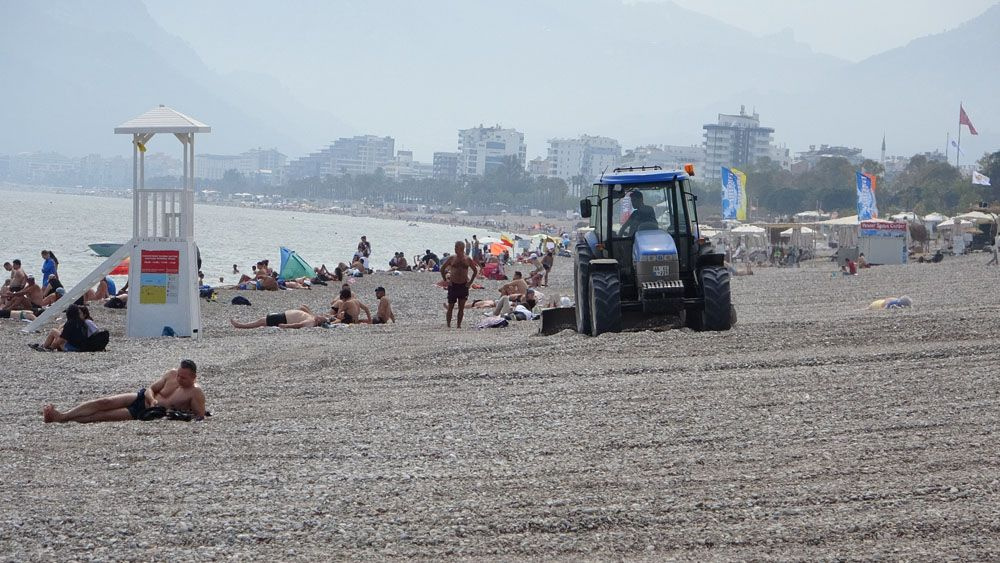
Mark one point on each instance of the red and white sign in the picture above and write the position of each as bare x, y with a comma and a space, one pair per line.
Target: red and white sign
160, 262
884, 225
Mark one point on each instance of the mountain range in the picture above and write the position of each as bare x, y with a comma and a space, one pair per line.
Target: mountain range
297, 75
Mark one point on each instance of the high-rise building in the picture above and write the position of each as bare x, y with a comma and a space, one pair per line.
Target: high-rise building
540, 167
667, 156
359, 155
404, 167
580, 161
446, 165
252, 163
482, 149
735, 141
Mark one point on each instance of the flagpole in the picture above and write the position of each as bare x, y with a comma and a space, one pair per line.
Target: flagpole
958, 149
947, 147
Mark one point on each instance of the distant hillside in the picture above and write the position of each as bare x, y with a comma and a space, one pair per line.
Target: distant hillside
912, 93
73, 70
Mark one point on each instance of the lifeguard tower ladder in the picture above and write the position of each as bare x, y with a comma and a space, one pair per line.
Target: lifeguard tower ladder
163, 269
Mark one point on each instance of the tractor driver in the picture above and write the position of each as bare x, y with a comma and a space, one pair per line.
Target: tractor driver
642, 216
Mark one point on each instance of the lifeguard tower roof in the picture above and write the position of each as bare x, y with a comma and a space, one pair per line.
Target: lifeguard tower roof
162, 120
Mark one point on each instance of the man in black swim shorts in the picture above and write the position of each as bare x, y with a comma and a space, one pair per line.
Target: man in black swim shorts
456, 271
293, 318
175, 390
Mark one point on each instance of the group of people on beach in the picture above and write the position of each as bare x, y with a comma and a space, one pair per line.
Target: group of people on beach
177, 390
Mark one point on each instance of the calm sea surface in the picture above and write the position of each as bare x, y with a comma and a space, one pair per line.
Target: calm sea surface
67, 223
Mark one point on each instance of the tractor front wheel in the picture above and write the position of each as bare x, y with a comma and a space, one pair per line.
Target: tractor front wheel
605, 302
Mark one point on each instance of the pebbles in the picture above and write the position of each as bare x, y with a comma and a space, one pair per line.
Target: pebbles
814, 429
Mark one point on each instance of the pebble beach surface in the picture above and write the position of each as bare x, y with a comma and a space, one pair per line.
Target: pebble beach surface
814, 429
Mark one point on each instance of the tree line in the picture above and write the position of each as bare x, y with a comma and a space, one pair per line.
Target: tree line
507, 186
923, 186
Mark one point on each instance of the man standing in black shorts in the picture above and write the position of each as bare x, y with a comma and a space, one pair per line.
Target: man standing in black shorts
455, 271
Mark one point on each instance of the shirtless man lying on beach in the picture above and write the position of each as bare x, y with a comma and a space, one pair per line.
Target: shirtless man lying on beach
176, 390
293, 318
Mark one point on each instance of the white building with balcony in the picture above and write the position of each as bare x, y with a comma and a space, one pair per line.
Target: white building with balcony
482, 149
735, 141
583, 158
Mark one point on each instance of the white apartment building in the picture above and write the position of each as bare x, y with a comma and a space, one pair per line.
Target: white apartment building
583, 158
250, 163
482, 149
668, 156
735, 141
404, 167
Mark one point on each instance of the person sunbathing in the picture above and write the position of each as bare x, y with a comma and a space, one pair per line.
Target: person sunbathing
29, 297
175, 390
348, 308
293, 318
516, 286
17, 314
384, 312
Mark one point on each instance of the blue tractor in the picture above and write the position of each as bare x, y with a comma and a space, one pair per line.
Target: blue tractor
641, 257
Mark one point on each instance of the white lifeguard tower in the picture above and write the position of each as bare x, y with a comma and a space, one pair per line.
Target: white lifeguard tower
163, 268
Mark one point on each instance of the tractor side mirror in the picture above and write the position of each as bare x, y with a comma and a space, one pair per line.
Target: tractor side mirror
586, 207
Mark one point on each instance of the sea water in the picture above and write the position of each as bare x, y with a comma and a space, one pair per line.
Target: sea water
66, 223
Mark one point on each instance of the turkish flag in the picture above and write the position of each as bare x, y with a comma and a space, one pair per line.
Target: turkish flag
963, 119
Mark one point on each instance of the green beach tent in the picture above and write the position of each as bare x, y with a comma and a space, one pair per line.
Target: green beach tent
293, 266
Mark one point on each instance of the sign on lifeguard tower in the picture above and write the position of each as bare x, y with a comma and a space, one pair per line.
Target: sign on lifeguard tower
163, 265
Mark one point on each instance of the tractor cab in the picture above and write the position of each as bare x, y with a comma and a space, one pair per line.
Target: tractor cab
645, 219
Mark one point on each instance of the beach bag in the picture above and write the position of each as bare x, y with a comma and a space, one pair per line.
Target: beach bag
240, 300
97, 342
115, 303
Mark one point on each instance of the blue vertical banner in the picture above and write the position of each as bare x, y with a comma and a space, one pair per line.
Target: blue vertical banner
867, 207
733, 195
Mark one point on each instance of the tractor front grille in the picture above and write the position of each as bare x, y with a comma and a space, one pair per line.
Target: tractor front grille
661, 285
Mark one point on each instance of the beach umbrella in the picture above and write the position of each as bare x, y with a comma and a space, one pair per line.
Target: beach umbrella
293, 266
748, 229
496, 248
121, 269
934, 217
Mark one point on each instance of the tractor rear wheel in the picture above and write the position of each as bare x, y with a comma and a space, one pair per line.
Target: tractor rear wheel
605, 302
581, 287
718, 313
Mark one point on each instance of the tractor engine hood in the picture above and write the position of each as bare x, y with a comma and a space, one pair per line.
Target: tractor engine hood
655, 256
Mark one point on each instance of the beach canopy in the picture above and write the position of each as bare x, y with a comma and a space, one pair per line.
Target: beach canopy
804, 230
748, 229
293, 266
934, 217
977, 217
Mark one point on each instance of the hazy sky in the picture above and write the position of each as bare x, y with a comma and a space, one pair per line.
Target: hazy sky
418, 71
849, 29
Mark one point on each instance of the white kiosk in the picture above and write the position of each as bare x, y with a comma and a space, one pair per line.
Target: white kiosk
163, 268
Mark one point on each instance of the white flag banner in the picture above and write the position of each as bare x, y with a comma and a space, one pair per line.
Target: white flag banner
981, 179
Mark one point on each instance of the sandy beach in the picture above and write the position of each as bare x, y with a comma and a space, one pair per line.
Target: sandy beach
814, 429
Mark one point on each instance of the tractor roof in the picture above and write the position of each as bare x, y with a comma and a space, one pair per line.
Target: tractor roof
642, 177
